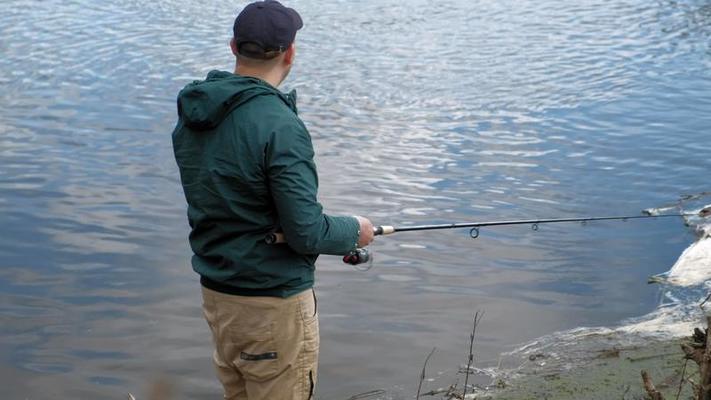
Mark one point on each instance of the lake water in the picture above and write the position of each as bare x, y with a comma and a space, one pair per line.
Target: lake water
420, 111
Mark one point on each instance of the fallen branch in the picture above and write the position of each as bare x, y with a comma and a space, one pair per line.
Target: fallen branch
704, 390
653, 393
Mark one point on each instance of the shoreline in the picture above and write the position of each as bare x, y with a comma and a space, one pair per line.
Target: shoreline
612, 373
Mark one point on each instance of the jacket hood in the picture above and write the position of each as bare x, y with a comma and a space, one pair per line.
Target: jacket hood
204, 104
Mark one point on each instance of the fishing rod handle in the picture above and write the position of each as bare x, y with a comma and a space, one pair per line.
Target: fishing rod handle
355, 257
383, 230
278, 237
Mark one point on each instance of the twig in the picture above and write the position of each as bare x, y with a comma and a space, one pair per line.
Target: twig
477, 318
367, 395
435, 392
652, 356
448, 392
681, 381
453, 388
422, 374
694, 385
627, 390
701, 306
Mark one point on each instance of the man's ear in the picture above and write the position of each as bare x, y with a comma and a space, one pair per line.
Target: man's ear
233, 46
289, 54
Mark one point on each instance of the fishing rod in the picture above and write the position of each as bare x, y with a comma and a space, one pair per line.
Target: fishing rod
362, 255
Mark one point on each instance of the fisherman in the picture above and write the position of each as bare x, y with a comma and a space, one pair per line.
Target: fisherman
247, 170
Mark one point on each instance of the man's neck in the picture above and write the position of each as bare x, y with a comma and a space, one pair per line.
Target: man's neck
270, 77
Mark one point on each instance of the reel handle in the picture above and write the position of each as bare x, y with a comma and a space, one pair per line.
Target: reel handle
357, 256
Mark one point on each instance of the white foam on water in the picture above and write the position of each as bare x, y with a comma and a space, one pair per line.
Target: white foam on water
670, 321
683, 288
693, 266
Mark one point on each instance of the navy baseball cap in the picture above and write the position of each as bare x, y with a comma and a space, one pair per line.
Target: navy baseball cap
268, 26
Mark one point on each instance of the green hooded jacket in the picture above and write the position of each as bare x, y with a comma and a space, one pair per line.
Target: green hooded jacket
246, 166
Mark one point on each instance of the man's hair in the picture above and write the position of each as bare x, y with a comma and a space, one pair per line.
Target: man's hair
252, 54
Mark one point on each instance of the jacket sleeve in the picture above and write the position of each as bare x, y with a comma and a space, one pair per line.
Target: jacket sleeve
293, 183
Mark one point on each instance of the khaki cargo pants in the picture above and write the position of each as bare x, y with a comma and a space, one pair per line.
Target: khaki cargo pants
266, 348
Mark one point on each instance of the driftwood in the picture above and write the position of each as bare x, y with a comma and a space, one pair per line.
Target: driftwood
698, 350
652, 391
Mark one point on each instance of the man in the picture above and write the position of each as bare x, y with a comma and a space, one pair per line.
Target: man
247, 170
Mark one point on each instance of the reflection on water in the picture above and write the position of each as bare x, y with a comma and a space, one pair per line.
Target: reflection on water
421, 112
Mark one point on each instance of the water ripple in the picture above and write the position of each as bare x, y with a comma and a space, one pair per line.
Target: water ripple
421, 112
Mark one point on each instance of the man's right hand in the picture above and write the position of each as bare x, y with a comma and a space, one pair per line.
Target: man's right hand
367, 231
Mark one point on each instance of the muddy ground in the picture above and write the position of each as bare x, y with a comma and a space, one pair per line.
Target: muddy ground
610, 374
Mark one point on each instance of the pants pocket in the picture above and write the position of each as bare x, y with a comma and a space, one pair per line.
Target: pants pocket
310, 323
311, 335
308, 367
258, 358
312, 384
